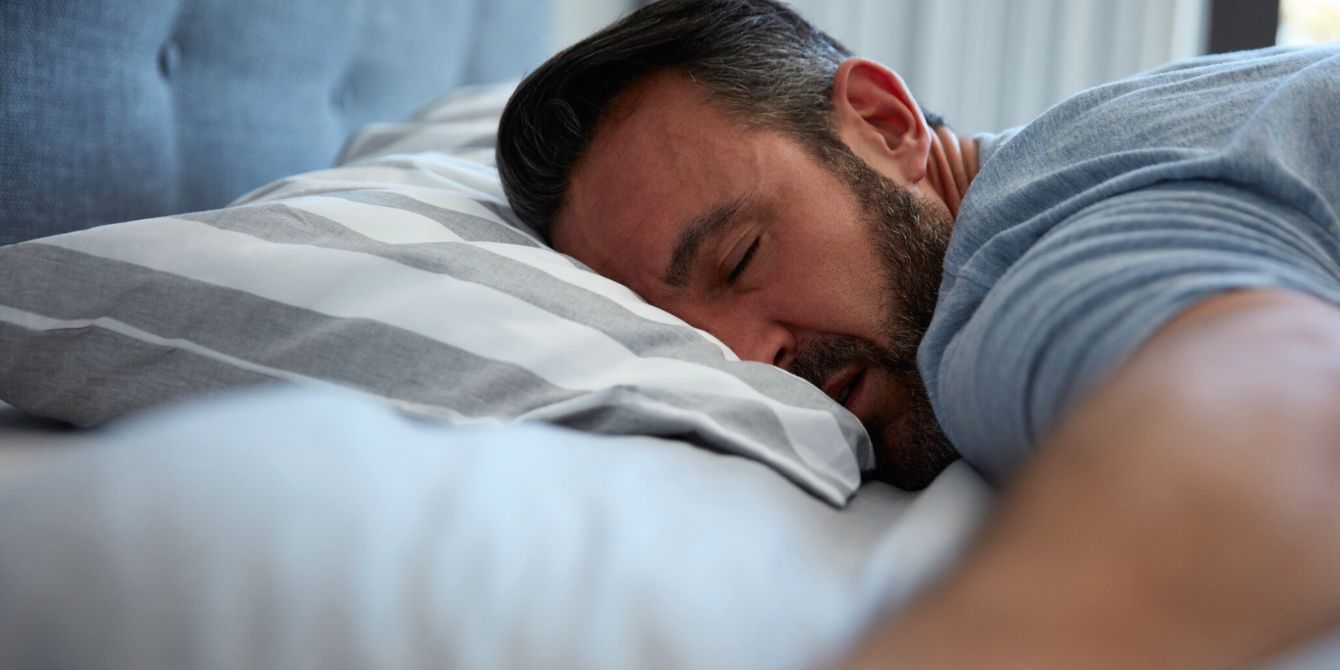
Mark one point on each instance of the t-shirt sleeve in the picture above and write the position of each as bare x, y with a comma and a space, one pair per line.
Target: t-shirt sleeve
1091, 290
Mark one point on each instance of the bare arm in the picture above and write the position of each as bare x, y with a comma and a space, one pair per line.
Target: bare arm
1185, 515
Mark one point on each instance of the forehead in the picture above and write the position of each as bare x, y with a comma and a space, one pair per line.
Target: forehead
664, 155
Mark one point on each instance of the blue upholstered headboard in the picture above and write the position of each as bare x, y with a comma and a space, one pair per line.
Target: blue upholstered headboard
113, 110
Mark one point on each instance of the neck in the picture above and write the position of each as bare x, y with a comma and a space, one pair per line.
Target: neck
953, 165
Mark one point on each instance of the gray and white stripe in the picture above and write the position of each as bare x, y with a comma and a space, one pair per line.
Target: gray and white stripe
411, 287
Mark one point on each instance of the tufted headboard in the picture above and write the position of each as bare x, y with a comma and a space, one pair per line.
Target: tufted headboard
112, 110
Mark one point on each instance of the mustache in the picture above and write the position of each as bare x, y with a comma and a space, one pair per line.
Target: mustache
821, 359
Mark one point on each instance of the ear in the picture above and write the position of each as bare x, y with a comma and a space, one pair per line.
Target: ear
875, 115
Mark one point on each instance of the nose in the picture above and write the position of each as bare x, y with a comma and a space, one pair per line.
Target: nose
753, 338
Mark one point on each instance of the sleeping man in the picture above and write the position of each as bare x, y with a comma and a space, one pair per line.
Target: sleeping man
1124, 312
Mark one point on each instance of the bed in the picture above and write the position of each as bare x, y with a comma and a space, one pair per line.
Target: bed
287, 384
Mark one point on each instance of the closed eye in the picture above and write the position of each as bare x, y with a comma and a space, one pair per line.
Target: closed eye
744, 262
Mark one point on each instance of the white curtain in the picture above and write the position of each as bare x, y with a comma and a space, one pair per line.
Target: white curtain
575, 19
992, 64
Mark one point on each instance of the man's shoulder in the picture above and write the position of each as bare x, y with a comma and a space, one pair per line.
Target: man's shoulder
1221, 117
1145, 168
1250, 58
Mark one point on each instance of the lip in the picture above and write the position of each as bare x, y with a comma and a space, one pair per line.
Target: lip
841, 380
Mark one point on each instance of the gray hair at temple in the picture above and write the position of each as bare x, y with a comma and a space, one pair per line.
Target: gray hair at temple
760, 61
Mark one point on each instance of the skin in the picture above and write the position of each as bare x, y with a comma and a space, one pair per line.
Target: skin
1186, 514
816, 296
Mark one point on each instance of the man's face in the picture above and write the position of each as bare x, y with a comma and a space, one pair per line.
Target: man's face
828, 272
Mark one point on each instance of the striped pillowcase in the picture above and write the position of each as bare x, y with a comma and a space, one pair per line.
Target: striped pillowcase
406, 277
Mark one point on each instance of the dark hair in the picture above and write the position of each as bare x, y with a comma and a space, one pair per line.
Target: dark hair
759, 60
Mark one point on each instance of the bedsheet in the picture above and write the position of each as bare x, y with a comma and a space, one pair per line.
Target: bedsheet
312, 528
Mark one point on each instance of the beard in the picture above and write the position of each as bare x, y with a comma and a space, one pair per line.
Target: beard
912, 236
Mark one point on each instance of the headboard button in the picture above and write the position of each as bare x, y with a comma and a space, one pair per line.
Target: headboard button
169, 57
340, 97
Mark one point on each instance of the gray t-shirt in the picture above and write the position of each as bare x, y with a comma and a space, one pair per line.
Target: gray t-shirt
1089, 228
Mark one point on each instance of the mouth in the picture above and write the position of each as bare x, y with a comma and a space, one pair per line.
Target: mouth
843, 386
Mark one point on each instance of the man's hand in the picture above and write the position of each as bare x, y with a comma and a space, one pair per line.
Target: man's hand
1185, 515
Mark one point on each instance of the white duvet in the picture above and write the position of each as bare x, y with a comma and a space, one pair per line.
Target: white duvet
309, 529
313, 529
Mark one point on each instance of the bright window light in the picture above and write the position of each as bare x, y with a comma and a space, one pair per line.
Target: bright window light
1308, 22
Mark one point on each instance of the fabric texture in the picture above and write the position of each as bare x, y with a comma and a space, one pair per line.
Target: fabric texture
405, 276
1089, 228
286, 528
113, 111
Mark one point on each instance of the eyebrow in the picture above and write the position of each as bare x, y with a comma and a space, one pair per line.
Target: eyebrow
702, 228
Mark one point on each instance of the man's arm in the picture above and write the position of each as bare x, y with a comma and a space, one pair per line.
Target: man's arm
1185, 515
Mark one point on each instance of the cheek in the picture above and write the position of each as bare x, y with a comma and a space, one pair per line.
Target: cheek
833, 263
838, 279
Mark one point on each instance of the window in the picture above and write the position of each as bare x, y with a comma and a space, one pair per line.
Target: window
1309, 22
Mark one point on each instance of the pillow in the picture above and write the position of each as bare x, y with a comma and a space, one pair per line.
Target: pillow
404, 276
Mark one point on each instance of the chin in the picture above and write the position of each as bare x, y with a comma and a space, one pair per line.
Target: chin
911, 457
